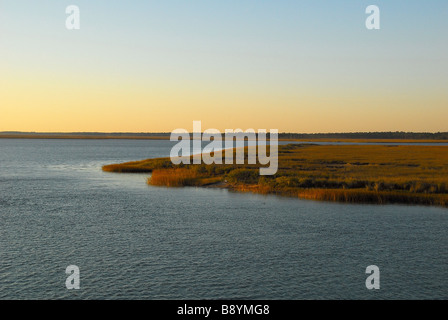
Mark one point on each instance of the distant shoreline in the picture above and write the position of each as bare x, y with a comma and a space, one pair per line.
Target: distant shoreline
293, 137
81, 137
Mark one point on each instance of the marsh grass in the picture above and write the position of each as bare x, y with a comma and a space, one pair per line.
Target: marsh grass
177, 177
353, 174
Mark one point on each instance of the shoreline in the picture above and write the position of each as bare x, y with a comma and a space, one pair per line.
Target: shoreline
81, 137
334, 195
351, 174
166, 136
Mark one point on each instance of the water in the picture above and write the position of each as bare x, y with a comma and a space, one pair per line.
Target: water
134, 241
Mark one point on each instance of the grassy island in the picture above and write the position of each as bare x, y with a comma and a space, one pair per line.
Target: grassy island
350, 173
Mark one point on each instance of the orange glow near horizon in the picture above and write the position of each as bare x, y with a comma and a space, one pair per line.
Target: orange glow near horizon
54, 105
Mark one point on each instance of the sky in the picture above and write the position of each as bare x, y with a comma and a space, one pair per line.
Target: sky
156, 66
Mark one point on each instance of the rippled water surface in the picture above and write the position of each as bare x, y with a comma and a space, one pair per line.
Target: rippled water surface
133, 241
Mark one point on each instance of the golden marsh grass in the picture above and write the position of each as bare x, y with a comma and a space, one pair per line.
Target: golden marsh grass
349, 173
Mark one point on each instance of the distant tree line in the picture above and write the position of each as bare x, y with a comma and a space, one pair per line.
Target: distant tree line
284, 135
368, 135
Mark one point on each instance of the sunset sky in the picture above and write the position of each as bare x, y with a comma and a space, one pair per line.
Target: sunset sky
291, 65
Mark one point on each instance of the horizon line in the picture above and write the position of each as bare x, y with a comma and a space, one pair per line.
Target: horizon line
167, 132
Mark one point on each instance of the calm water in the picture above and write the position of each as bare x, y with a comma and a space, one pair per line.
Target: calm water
133, 241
